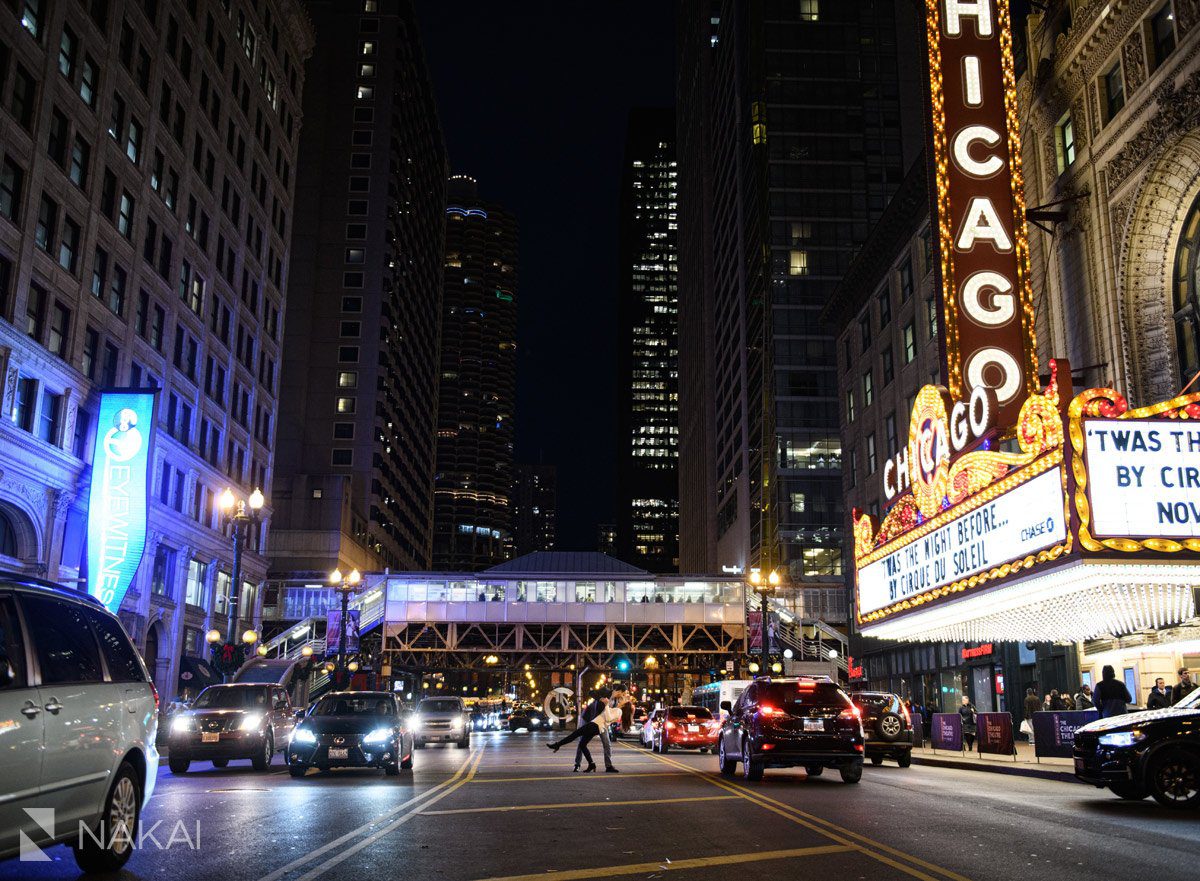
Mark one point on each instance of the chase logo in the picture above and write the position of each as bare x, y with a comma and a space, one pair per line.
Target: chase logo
30, 852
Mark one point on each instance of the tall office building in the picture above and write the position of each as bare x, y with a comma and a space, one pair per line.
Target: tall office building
535, 509
648, 348
789, 116
474, 481
146, 202
356, 441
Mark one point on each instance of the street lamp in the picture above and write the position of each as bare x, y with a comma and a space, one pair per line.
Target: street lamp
240, 513
346, 585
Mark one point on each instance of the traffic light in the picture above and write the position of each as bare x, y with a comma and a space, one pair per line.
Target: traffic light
623, 665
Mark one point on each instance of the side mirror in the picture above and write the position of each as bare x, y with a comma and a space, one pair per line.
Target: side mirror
299, 714
727, 706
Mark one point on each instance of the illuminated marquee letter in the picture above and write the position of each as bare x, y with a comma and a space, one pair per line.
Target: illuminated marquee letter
1003, 306
980, 10
1010, 371
889, 487
972, 82
981, 223
961, 148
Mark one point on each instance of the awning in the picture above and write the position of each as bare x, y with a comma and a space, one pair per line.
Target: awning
196, 674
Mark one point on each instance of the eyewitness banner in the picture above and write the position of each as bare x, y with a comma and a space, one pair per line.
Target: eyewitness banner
1144, 477
117, 505
1020, 522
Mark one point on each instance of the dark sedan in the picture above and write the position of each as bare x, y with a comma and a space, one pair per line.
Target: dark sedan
234, 721
352, 729
1154, 752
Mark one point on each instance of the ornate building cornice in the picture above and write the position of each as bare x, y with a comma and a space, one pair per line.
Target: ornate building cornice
1178, 112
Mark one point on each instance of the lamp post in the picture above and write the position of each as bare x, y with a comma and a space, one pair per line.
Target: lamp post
240, 513
345, 585
764, 586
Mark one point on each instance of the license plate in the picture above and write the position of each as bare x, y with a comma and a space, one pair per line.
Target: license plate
210, 736
814, 724
694, 729
339, 753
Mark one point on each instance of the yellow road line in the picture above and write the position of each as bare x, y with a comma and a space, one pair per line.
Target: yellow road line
366, 827
501, 809
677, 865
825, 827
390, 827
575, 777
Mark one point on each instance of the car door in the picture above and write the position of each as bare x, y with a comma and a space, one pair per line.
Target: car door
21, 732
82, 711
283, 716
737, 721
139, 721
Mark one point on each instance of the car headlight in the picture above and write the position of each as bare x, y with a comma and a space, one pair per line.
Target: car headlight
414, 724
534, 723
1121, 738
457, 723
181, 723
250, 721
303, 735
379, 735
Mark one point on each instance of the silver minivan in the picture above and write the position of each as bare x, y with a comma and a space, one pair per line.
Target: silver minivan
441, 720
78, 715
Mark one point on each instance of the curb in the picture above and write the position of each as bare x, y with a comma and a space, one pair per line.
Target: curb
1015, 770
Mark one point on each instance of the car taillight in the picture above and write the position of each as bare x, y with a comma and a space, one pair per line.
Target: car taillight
853, 714
768, 710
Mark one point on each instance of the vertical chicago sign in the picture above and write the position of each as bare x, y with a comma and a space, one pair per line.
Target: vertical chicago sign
980, 204
117, 508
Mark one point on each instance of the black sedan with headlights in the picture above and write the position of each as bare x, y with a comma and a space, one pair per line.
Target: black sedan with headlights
1155, 752
351, 729
234, 721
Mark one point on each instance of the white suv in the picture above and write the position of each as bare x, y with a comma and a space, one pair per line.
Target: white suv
78, 715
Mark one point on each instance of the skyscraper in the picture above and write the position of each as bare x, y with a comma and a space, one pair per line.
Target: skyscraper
648, 348
146, 188
356, 441
535, 509
789, 117
474, 481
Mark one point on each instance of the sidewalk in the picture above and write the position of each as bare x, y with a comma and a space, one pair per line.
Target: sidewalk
1025, 763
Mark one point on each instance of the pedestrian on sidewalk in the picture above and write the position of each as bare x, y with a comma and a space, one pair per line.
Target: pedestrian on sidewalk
969, 722
1083, 698
1057, 702
1160, 696
1112, 697
1032, 705
1184, 686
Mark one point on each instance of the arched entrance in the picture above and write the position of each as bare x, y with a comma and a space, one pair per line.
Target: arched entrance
1185, 295
19, 543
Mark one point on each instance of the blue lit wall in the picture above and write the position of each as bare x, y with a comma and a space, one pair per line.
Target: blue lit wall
117, 507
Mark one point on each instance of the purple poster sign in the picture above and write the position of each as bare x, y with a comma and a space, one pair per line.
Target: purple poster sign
1054, 731
946, 732
995, 733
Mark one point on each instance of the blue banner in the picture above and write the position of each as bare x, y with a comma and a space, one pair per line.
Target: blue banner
1054, 731
117, 508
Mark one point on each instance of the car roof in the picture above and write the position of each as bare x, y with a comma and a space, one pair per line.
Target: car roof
873, 694
42, 586
370, 694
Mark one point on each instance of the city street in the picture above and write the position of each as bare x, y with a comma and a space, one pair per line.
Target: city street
510, 809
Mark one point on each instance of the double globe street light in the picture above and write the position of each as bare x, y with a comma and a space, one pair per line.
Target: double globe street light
241, 515
345, 585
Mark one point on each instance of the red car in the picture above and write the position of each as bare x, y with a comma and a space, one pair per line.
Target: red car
686, 728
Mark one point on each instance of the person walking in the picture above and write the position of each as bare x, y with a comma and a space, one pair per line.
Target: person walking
1112, 697
966, 712
1083, 698
1032, 705
584, 733
1057, 702
1184, 687
1159, 697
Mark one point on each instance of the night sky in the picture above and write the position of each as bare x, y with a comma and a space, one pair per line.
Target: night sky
533, 99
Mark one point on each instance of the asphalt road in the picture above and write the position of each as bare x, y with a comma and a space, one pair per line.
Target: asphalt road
510, 809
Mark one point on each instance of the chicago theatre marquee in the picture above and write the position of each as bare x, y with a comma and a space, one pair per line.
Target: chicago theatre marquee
1020, 509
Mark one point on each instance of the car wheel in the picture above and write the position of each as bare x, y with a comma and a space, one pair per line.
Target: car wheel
703, 749
664, 745
752, 771
463, 744
1175, 779
876, 760
851, 773
297, 770
1128, 790
179, 764
889, 727
727, 765
122, 811
814, 770
904, 759
262, 761
220, 763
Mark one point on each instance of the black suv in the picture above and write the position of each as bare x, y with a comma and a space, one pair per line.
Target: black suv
1154, 752
785, 723
887, 726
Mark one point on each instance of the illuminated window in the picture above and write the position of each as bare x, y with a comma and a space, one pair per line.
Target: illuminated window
849, 405
1114, 91
31, 17
910, 343
367, 49
798, 263
348, 379
797, 503
345, 405
366, 70
1066, 143
868, 387
365, 93
871, 457
810, 10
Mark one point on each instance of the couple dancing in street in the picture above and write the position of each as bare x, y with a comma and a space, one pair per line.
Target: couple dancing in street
605, 708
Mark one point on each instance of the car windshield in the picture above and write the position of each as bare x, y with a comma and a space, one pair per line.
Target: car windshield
231, 699
796, 697
440, 705
684, 712
1192, 701
355, 705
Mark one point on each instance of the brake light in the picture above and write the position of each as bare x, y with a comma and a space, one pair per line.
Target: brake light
768, 710
805, 685
907, 717
851, 713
